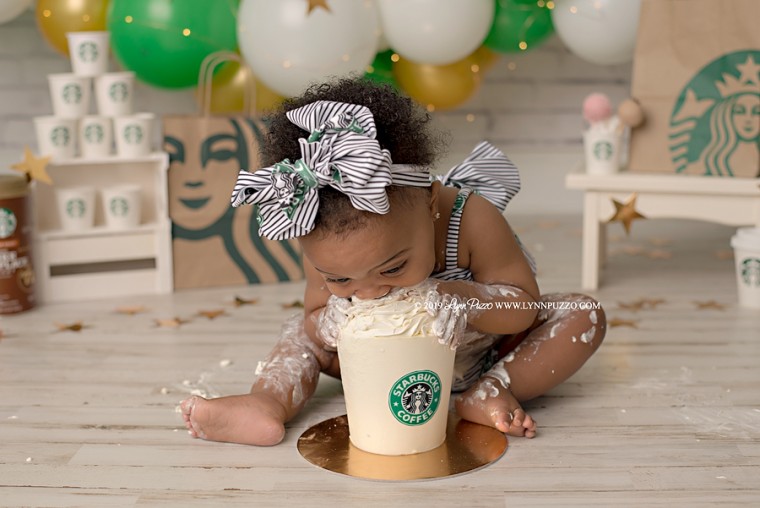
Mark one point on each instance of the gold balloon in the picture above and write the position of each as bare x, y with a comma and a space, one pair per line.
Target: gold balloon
485, 58
56, 17
228, 91
438, 87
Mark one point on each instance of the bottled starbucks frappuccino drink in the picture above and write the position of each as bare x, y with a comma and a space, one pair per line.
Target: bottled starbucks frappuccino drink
396, 375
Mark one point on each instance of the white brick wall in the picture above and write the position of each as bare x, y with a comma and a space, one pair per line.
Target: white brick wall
528, 105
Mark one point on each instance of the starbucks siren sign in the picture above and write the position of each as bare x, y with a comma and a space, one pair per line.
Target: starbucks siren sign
716, 118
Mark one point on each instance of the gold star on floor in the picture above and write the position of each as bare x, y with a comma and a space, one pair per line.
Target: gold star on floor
76, 326
634, 306
313, 4
296, 304
130, 310
615, 322
239, 302
652, 303
174, 322
659, 254
626, 212
35, 168
710, 304
212, 314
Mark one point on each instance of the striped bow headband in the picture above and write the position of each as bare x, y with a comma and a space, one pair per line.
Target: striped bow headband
341, 152
488, 172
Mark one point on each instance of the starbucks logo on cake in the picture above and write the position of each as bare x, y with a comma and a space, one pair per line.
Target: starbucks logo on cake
414, 398
716, 119
8, 223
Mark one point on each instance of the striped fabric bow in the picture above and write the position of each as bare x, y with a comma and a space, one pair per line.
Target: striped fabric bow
341, 152
488, 172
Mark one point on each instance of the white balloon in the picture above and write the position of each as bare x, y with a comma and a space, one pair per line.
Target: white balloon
11, 9
437, 32
600, 31
288, 47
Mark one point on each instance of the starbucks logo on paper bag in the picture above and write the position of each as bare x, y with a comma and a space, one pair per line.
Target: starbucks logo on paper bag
716, 118
414, 398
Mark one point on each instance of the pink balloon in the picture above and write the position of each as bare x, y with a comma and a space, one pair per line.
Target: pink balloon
597, 108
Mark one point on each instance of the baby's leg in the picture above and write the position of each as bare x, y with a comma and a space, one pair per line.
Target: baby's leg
286, 381
560, 342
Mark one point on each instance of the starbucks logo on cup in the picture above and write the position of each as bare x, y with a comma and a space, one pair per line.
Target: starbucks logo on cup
119, 207
133, 134
8, 223
60, 136
88, 51
414, 398
750, 268
72, 94
94, 134
603, 150
75, 207
118, 92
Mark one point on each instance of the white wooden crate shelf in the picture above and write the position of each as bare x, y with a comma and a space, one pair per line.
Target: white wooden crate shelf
104, 262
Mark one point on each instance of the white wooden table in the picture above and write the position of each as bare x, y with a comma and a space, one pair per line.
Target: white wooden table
730, 201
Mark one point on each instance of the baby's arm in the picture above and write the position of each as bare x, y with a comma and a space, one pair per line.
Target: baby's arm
501, 272
315, 301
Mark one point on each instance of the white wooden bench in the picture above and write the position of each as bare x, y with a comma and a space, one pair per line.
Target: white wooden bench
730, 201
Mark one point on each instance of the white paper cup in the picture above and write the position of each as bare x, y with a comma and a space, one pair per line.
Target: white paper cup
122, 206
746, 244
133, 134
95, 136
113, 93
88, 52
70, 94
602, 148
56, 137
397, 392
76, 207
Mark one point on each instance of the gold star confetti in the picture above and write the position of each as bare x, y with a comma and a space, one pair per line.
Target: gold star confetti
633, 250
76, 326
33, 167
652, 303
659, 254
659, 241
634, 306
615, 322
212, 314
130, 310
548, 224
295, 304
313, 4
710, 304
174, 322
626, 212
239, 302
724, 254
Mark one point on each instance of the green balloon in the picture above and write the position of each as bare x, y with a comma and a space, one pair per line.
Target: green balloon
164, 41
381, 69
518, 22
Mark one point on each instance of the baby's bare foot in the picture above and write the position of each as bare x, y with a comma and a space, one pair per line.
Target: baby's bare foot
251, 419
489, 403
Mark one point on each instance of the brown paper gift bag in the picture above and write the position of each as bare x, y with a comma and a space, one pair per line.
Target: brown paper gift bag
695, 73
213, 243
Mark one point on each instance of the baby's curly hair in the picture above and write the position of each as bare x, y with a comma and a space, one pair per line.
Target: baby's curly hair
402, 129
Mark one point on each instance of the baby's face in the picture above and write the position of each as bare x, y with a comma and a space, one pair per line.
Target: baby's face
398, 250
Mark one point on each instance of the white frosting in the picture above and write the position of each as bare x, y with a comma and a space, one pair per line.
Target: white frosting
401, 313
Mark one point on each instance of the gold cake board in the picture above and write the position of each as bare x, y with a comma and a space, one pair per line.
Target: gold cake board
468, 447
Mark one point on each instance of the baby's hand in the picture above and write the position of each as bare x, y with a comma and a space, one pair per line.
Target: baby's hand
331, 320
449, 311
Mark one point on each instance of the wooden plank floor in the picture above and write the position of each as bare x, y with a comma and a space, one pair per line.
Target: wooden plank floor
666, 413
